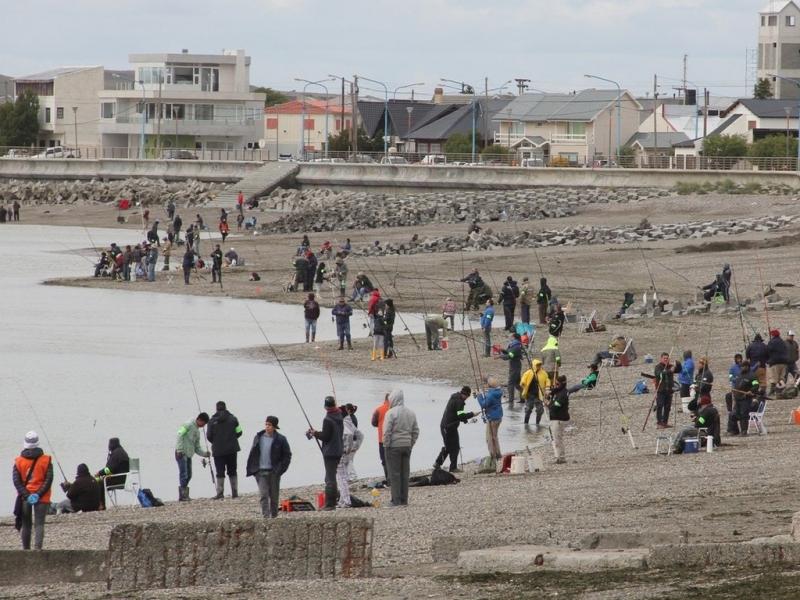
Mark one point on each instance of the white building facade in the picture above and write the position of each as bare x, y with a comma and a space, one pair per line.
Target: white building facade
779, 46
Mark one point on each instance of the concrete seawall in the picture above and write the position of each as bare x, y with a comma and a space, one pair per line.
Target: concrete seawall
23, 567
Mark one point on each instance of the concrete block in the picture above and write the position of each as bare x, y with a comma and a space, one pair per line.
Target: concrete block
699, 555
21, 567
528, 559
604, 540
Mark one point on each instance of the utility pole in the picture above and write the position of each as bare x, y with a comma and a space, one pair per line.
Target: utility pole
75, 123
486, 113
655, 116
158, 122
522, 85
354, 110
341, 116
685, 64
705, 112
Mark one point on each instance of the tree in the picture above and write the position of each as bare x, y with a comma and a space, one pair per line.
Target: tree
273, 96
493, 150
762, 89
773, 146
627, 157
725, 145
341, 141
19, 120
460, 143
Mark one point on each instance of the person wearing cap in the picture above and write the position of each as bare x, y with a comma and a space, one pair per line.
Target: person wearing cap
332, 448
513, 354
525, 297
454, 414
351, 442
117, 461
216, 265
311, 314
400, 433
33, 478
268, 460
187, 445
224, 432
777, 357
792, 354
543, 300
491, 402
83, 495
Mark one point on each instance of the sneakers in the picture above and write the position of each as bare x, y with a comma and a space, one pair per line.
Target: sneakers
561, 461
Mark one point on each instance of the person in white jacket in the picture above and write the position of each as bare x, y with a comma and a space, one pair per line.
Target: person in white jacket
351, 442
400, 433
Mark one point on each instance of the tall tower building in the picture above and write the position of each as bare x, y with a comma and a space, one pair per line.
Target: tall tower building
779, 46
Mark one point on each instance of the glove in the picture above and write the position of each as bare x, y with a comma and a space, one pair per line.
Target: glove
208, 454
33, 499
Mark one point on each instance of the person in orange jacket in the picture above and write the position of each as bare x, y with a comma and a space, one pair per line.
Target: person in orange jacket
378, 417
33, 478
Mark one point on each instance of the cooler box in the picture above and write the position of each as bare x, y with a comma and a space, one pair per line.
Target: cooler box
691, 446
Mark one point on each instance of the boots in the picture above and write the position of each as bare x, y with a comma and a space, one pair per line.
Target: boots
306, 337
373, 355
183, 494
349, 345
313, 336
382, 354
234, 486
220, 489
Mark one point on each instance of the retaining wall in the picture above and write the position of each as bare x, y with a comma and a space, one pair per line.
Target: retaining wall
172, 555
26, 567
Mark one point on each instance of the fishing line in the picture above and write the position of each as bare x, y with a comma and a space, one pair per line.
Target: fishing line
205, 437
41, 426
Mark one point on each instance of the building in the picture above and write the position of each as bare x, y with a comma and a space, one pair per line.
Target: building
68, 106
201, 102
779, 46
649, 144
757, 119
282, 125
577, 127
6, 89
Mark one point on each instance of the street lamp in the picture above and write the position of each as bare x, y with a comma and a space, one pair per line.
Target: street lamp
353, 108
619, 113
402, 87
144, 113
327, 99
797, 83
385, 112
75, 124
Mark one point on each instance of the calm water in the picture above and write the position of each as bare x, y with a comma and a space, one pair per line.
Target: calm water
104, 363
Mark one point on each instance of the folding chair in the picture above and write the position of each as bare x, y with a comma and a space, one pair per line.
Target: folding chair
757, 419
586, 324
132, 485
621, 359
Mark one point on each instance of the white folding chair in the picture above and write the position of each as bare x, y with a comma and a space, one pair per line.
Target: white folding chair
132, 485
585, 323
757, 419
615, 360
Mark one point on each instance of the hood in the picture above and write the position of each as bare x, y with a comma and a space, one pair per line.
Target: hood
543, 281
113, 444
536, 363
396, 398
221, 415
83, 470
552, 344
758, 338
31, 452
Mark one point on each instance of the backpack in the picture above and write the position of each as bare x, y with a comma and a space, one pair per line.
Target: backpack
147, 499
442, 477
640, 388
788, 392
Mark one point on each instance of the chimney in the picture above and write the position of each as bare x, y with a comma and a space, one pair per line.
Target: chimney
438, 95
185, 51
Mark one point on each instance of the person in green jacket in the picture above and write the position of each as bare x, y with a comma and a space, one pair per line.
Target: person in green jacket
187, 445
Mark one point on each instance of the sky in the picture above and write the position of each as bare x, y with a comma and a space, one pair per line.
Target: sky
551, 42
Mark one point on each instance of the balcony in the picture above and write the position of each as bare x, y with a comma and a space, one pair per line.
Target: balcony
568, 138
132, 125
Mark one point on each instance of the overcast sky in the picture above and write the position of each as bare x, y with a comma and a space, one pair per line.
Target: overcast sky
551, 42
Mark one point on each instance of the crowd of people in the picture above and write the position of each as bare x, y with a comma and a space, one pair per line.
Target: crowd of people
10, 214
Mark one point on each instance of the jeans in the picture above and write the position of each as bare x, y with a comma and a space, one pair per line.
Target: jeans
492, 439
343, 331
226, 462
359, 293
216, 274
382, 454
126, 271
311, 328
269, 487
508, 313
33, 516
452, 445
487, 341
151, 271
331, 490
663, 405
398, 461
184, 469
432, 336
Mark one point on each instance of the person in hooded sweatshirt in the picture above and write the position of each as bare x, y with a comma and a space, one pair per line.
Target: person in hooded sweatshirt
454, 415
543, 300
83, 494
224, 432
535, 386
117, 461
351, 442
331, 436
33, 477
400, 433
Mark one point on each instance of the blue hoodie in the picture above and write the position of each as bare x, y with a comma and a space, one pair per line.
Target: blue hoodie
487, 317
492, 403
686, 376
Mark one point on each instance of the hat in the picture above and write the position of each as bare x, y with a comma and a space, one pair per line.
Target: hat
330, 401
791, 332
273, 421
774, 333
351, 408
31, 440
524, 279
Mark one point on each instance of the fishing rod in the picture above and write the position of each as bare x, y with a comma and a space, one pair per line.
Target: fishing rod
538, 260
650, 273
41, 426
205, 437
285, 374
393, 281
327, 363
763, 291
91, 241
624, 418
745, 337
76, 253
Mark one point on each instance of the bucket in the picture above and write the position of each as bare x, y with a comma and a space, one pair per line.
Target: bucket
444, 343
321, 498
685, 404
691, 446
518, 465
535, 463
796, 416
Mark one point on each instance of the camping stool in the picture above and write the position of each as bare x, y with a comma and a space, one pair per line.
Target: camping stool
663, 438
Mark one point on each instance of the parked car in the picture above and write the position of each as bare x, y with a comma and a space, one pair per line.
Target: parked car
434, 159
394, 160
328, 160
59, 152
178, 154
285, 158
362, 158
534, 161
17, 153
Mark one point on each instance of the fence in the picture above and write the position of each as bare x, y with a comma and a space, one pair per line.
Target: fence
149, 153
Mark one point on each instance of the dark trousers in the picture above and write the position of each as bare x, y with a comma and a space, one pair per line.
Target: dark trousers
743, 408
331, 489
508, 313
186, 272
487, 341
269, 488
542, 313
226, 462
452, 446
216, 274
382, 454
343, 331
388, 344
525, 312
663, 406
531, 404
33, 520
399, 464
514, 376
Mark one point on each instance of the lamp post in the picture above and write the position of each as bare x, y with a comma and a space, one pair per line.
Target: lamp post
402, 87
468, 89
797, 83
619, 112
385, 112
324, 87
144, 115
75, 125
353, 108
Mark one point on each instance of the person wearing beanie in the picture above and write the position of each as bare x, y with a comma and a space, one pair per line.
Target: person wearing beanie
777, 357
311, 314
508, 298
513, 354
224, 432
491, 402
268, 460
454, 415
400, 433
332, 448
186, 446
117, 461
83, 495
543, 300
525, 297
33, 479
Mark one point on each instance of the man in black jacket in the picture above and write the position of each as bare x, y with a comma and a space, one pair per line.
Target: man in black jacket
224, 432
556, 324
332, 448
268, 460
777, 357
216, 265
83, 494
558, 409
543, 300
665, 387
508, 296
311, 314
454, 415
117, 462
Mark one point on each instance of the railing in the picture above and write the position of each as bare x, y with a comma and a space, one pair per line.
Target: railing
568, 138
509, 139
137, 120
165, 153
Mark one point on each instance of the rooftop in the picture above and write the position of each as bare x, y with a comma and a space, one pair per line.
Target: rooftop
584, 105
54, 73
776, 6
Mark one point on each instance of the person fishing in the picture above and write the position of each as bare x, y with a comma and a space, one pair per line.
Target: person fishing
535, 385
187, 445
491, 401
513, 354
33, 479
543, 300
331, 436
342, 313
453, 416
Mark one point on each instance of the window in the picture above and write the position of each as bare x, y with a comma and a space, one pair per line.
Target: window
150, 74
763, 20
576, 128
308, 124
572, 157
47, 115
183, 75
209, 79
790, 20
204, 112
772, 20
751, 125
517, 128
59, 112
107, 110
175, 111
272, 123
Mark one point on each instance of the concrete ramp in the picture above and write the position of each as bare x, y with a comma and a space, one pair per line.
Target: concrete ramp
530, 559
259, 182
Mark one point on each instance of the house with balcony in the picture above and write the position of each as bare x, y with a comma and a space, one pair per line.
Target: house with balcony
281, 134
201, 102
577, 128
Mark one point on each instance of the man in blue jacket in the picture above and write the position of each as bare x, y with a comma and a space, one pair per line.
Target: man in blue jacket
686, 376
268, 460
491, 401
342, 312
487, 317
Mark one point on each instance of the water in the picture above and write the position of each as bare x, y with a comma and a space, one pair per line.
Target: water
96, 364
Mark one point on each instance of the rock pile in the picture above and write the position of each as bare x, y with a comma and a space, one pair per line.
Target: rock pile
580, 235
146, 191
327, 210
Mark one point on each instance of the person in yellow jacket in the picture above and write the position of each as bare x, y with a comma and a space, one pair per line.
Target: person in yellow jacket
535, 384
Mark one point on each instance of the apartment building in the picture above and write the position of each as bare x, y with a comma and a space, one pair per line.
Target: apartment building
196, 101
779, 46
282, 125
